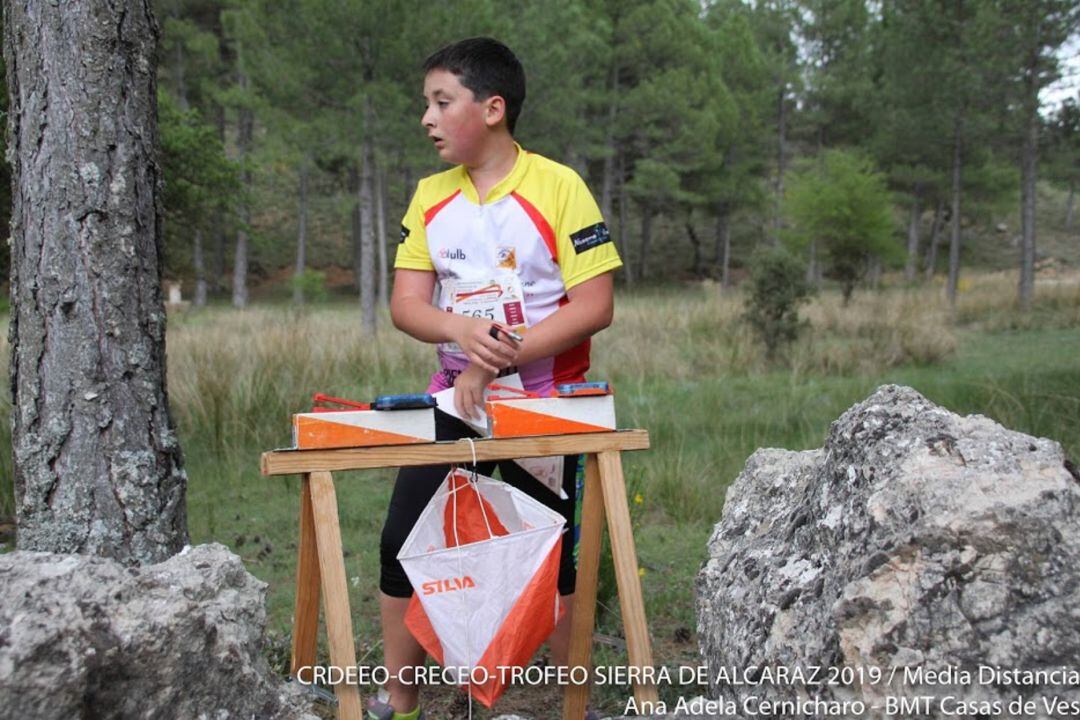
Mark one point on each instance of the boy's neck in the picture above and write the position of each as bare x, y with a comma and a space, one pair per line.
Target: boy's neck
496, 163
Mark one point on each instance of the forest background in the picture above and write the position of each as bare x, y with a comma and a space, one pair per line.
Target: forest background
914, 162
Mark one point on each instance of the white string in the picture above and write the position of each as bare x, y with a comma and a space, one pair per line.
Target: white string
461, 574
483, 512
472, 446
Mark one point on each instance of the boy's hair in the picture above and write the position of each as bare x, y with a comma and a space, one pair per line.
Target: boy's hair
487, 68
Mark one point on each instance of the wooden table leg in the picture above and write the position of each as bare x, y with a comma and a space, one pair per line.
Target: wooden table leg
576, 697
305, 632
624, 556
335, 590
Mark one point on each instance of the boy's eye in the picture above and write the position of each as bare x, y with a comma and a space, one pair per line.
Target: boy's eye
442, 103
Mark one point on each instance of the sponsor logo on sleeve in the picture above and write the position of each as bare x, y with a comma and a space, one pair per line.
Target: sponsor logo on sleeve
589, 237
404, 233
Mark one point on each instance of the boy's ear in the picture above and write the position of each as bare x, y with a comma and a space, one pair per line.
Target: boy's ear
494, 110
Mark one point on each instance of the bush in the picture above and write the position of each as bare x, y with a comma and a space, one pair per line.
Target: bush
309, 286
777, 287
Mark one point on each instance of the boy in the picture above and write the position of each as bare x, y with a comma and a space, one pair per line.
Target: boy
500, 213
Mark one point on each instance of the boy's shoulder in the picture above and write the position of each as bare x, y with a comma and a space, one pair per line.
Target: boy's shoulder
539, 170
441, 184
551, 170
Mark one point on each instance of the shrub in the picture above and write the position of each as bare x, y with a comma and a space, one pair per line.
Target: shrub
777, 287
309, 286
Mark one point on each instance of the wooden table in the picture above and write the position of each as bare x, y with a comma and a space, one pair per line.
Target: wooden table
320, 568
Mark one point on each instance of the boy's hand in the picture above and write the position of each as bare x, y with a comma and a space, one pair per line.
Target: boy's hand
492, 354
469, 390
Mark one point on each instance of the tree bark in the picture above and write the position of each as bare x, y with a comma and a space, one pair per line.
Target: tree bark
380, 232
954, 235
98, 467
301, 236
935, 235
911, 266
367, 237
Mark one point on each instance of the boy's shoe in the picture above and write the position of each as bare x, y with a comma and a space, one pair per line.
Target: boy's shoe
379, 710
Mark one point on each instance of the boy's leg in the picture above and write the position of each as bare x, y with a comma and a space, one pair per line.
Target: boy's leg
413, 489
400, 651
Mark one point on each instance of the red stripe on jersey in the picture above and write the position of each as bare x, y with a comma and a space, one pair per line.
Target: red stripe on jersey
541, 224
434, 209
571, 365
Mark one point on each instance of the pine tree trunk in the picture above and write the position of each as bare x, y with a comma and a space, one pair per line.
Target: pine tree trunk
911, 266
380, 239
935, 235
723, 244
607, 188
301, 236
200, 269
695, 243
1029, 153
240, 259
646, 238
367, 237
98, 468
353, 182
217, 264
624, 228
954, 235
781, 163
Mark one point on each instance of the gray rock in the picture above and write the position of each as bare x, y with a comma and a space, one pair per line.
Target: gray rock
915, 540
83, 636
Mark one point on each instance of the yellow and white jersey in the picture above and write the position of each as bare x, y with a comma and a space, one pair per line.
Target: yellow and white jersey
539, 223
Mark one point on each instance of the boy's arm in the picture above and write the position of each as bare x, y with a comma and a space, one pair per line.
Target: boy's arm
590, 309
412, 312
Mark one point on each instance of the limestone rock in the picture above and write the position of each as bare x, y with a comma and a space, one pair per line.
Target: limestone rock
915, 539
83, 636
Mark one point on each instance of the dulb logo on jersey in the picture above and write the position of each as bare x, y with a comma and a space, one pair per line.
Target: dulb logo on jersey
404, 233
589, 237
448, 585
455, 254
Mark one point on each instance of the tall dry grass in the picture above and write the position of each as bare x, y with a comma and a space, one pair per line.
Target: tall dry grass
989, 302
698, 331
235, 377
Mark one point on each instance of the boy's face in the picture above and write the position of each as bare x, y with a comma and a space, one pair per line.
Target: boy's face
455, 120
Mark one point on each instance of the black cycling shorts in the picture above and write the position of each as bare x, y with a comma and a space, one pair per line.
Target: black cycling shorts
415, 486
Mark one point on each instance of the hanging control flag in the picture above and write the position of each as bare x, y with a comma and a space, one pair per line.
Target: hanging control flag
483, 560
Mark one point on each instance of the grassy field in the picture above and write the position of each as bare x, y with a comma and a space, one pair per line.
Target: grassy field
683, 366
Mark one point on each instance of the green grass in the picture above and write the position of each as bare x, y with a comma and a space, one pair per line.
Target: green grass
683, 368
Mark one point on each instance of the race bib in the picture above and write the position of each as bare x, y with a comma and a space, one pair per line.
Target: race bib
499, 299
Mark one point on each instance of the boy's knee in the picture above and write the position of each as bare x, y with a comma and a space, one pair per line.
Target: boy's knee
392, 578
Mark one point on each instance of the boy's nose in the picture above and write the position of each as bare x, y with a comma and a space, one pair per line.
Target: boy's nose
425, 119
